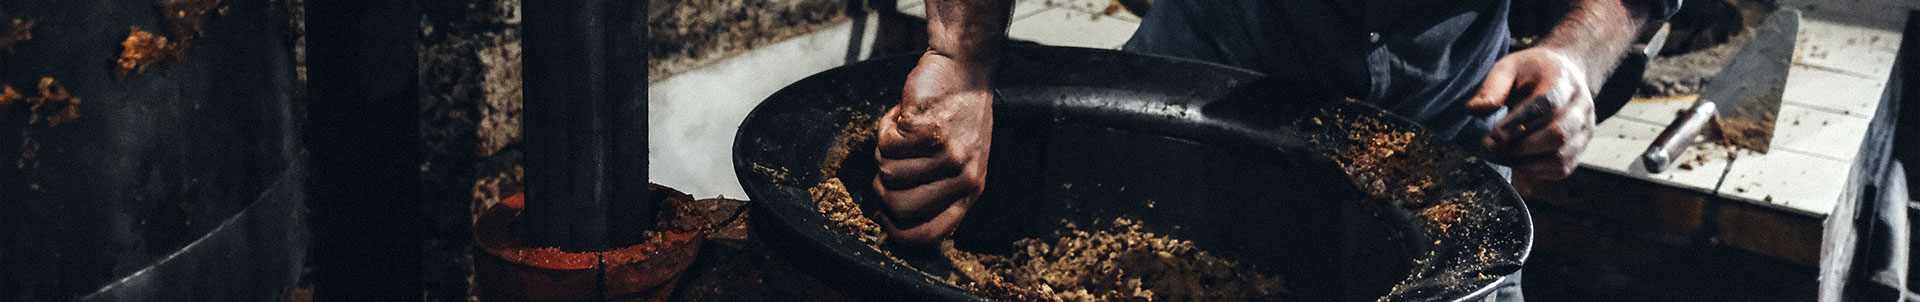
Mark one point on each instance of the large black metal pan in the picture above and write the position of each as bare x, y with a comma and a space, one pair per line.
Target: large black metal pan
182, 182
1197, 151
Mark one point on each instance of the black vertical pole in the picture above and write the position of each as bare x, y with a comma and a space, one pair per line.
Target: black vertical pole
626, 94
580, 112
363, 134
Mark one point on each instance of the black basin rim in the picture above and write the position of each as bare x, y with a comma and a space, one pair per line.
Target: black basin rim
768, 196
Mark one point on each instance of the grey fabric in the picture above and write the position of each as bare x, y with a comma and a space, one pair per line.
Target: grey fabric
1422, 59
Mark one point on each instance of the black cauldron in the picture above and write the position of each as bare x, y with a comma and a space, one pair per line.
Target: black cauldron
1193, 150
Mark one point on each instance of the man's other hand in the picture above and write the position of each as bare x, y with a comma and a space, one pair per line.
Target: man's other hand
1540, 147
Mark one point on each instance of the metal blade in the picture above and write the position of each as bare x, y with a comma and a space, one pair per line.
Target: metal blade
1748, 90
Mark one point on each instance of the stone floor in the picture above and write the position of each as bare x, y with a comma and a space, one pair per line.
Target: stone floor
692, 116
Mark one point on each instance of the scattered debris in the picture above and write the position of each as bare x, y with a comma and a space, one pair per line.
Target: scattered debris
7, 96
1705, 35
185, 19
50, 107
1123, 263
691, 34
1389, 165
17, 30
143, 48
54, 105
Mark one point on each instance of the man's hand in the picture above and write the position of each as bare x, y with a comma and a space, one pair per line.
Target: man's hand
1563, 70
933, 146
933, 149
1547, 146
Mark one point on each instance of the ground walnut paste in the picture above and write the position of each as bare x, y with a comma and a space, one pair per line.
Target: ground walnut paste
1121, 263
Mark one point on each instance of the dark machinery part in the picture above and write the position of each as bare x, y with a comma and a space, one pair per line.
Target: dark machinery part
585, 124
182, 182
363, 131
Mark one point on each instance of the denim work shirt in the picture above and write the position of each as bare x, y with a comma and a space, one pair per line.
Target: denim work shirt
1421, 59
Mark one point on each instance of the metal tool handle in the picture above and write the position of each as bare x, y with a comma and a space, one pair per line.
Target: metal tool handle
1677, 137
1538, 112
1531, 116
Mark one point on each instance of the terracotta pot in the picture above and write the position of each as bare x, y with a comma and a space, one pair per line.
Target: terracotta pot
508, 270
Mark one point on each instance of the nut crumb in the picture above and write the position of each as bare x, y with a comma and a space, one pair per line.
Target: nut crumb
7, 96
1123, 263
17, 30
54, 105
143, 49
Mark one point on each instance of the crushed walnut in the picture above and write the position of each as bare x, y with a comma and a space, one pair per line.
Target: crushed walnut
142, 49
1123, 263
53, 105
16, 30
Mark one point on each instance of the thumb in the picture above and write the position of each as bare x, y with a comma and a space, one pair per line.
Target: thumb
1493, 91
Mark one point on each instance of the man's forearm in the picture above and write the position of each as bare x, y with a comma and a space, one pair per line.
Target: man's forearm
1596, 33
967, 31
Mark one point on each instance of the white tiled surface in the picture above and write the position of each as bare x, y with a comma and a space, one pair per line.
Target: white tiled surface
1658, 111
1078, 23
1791, 180
692, 117
1818, 133
1810, 168
1863, 51
1842, 61
1883, 14
1618, 143
1833, 91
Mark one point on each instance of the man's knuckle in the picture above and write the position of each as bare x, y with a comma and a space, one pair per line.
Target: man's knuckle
1568, 156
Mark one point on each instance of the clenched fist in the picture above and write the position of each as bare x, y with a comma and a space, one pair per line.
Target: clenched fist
933, 149
1544, 144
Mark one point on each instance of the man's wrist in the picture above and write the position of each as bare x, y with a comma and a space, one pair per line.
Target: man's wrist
969, 31
1596, 34
1594, 66
974, 72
